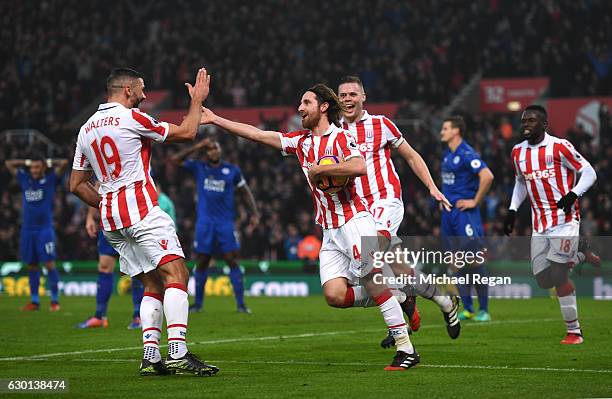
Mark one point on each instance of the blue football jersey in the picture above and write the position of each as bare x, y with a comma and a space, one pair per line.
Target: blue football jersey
460, 173
216, 186
37, 203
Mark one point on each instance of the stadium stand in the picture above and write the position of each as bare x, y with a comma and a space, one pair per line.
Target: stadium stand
417, 55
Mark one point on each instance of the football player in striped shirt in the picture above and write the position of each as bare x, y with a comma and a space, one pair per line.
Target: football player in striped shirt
553, 175
342, 214
376, 136
115, 145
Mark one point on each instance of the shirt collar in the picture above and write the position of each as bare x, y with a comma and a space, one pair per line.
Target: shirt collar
330, 129
541, 143
363, 118
108, 106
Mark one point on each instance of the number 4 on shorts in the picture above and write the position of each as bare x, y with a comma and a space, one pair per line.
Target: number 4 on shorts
356, 254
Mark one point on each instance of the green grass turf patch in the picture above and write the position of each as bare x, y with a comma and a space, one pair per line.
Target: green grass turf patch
300, 347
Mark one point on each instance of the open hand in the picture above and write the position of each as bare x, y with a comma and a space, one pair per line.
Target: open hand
200, 90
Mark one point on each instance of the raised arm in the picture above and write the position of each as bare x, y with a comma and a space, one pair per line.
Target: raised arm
242, 129
14, 164
180, 156
59, 165
188, 129
419, 167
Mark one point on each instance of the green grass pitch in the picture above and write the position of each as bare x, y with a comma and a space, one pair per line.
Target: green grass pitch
300, 347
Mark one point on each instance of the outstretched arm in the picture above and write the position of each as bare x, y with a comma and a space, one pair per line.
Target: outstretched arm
418, 166
82, 187
242, 129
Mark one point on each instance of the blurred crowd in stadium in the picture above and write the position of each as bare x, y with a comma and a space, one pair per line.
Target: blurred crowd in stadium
56, 60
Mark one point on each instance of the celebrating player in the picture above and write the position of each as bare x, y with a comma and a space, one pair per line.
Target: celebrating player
37, 242
466, 179
546, 168
107, 257
217, 183
376, 135
342, 215
115, 144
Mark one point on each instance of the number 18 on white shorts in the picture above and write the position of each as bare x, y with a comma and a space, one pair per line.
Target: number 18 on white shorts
558, 244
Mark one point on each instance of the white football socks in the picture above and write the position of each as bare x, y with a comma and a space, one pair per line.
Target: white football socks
569, 310
176, 310
394, 318
151, 317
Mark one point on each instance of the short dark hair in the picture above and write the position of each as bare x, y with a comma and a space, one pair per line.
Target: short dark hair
119, 74
326, 95
538, 108
351, 79
457, 122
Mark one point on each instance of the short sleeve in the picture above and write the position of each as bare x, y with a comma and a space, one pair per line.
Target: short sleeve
238, 178
391, 133
347, 146
146, 125
21, 176
80, 161
571, 157
289, 142
191, 165
474, 163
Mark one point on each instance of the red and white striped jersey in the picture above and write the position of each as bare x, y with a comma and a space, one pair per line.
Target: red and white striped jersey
116, 144
332, 209
375, 134
549, 169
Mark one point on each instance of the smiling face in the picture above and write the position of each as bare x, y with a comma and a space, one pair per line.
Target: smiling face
352, 96
533, 125
310, 110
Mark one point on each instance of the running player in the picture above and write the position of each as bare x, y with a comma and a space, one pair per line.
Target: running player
546, 169
115, 144
466, 179
376, 136
218, 182
37, 243
342, 215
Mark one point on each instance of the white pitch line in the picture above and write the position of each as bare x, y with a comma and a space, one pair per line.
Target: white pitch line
309, 363
255, 339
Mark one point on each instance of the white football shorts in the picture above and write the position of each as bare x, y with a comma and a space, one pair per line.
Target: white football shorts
341, 252
143, 245
558, 244
388, 214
